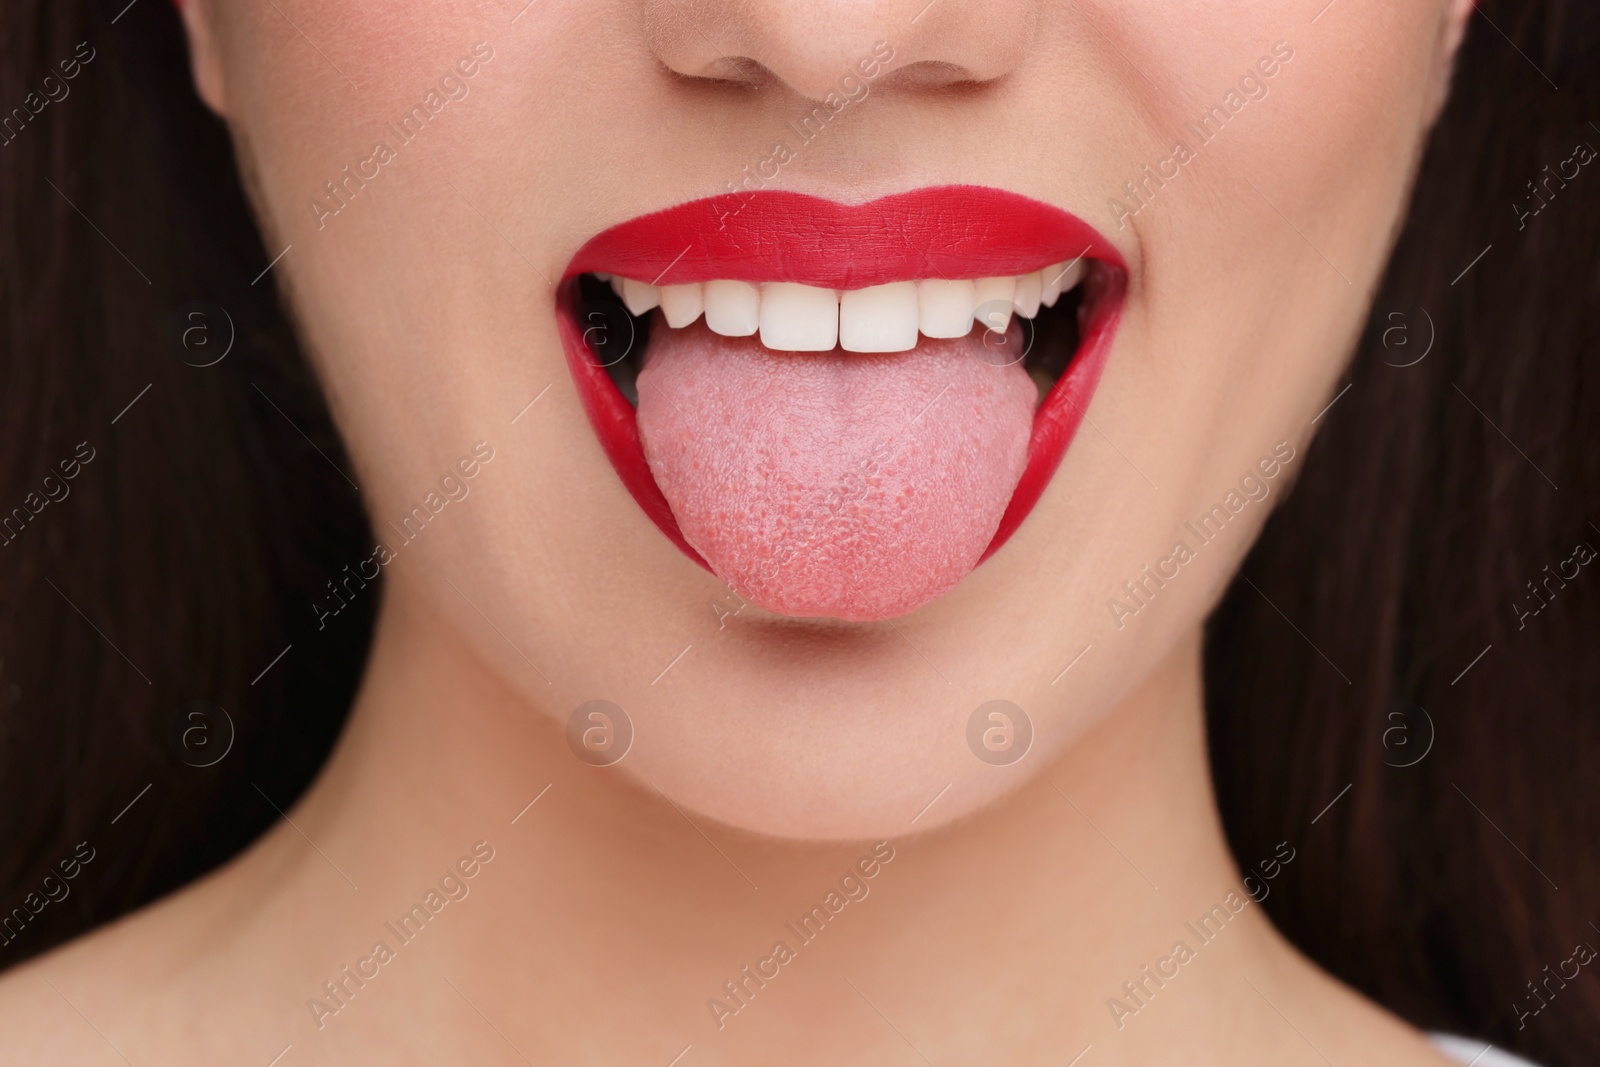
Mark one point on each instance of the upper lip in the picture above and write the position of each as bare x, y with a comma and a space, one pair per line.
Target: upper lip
952, 231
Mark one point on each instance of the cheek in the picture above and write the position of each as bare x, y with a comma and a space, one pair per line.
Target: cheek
1261, 251
1250, 292
382, 252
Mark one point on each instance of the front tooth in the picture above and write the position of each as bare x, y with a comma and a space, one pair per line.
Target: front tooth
1030, 291
615, 281
879, 318
994, 301
682, 304
799, 318
639, 296
1053, 275
944, 308
1060, 278
1075, 272
733, 309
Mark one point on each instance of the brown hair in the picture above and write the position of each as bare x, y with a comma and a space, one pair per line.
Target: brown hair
182, 557
185, 555
1404, 682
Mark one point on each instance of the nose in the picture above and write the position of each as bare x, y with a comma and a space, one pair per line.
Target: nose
810, 45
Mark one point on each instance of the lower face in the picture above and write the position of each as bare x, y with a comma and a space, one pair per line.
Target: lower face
816, 425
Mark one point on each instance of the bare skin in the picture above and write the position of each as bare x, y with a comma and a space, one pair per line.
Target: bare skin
1024, 908
606, 921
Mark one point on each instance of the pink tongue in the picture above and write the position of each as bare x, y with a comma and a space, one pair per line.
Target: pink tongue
832, 483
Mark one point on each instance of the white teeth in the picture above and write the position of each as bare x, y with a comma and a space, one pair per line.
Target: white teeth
682, 304
944, 308
1054, 275
994, 301
799, 318
733, 308
1060, 278
879, 318
639, 296
1030, 291
792, 317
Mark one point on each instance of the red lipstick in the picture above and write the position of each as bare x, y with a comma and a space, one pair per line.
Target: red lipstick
951, 232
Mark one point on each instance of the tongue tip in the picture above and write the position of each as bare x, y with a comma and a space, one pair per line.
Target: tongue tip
822, 600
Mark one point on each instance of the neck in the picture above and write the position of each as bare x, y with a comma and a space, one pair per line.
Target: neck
1097, 905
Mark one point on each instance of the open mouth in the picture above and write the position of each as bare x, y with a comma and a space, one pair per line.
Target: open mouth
841, 410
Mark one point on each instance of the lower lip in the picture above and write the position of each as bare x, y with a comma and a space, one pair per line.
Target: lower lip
1055, 423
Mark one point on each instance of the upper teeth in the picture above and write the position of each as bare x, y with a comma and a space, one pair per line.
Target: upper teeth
880, 318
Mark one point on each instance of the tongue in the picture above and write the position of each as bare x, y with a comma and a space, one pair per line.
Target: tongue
835, 484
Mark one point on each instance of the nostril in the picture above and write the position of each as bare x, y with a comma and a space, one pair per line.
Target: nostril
932, 74
923, 75
740, 70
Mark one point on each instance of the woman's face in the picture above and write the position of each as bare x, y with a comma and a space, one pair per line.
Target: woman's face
1237, 172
